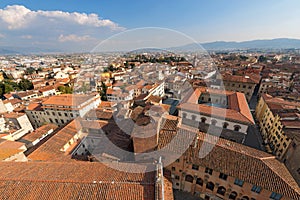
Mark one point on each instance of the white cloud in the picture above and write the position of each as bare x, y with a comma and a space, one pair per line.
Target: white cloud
26, 37
18, 17
73, 38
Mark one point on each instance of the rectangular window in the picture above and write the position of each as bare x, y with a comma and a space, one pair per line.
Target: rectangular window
238, 182
256, 189
173, 168
208, 171
195, 167
223, 176
275, 196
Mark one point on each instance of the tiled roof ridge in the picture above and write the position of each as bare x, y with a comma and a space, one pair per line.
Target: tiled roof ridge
294, 186
265, 160
227, 143
135, 182
245, 112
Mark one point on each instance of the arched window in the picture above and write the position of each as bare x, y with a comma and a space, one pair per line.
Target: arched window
225, 125
203, 119
233, 195
245, 198
189, 178
199, 181
193, 117
214, 122
237, 127
210, 186
221, 190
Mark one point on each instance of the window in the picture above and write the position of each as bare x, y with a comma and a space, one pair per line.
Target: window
203, 119
225, 125
173, 168
298, 170
195, 167
275, 196
71, 114
189, 178
233, 195
199, 181
53, 113
59, 114
256, 189
62, 121
237, 127
238, 182
177, 160
213, 122
244, 86
184, 115
176, 177
51, 121
223, 176
284, 145
208, 171
194, 117
66, 114
221, 190
210, 186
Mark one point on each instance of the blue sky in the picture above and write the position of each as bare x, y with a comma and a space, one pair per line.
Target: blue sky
204, 21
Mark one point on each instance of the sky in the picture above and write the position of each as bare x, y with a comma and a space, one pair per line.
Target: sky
82, 24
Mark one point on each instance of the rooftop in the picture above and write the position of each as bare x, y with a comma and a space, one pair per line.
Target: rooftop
78, 180
234, 160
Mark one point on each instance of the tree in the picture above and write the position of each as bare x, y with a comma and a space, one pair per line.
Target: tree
29, 70
8, 88
65, 89
103, 91
25, 84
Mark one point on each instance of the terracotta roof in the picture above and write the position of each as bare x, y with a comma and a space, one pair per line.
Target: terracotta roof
80, 180
237, 104
9, 148
242, 79
216, 112
39, 132
67, 100
155, 99
234, 160
12, 101
51, 149
34, 106
13, 115
46, 88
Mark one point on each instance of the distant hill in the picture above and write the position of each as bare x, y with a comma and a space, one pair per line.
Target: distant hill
280, 43
7, 50
274, 44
